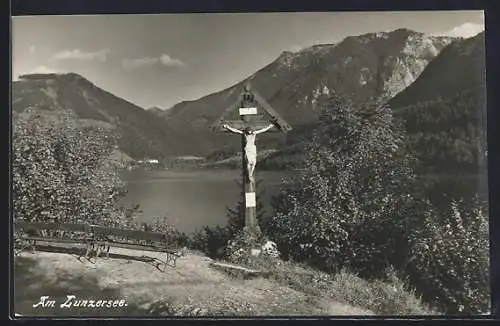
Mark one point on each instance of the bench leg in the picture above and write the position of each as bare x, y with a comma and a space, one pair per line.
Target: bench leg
167, 260
23, 244
20, 246
107, 250
33, 247
98, 252
173, 259
88, 249
91, 252
170, 258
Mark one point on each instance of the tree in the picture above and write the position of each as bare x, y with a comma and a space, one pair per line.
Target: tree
447, 134
349, 207
450, 258
62, 171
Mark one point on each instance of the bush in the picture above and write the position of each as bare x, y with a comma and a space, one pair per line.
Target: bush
62, 171
450, 258
214, 240
161, 225
211, 240
344, 209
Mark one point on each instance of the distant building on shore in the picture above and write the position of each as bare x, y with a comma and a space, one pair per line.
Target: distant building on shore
148, 161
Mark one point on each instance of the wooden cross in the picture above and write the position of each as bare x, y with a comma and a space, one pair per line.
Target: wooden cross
249, 127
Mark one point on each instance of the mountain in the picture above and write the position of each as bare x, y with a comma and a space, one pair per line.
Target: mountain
141, 133
365, 67
460, 66
444, 110
156, 111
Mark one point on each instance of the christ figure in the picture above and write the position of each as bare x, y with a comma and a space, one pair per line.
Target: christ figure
250, 148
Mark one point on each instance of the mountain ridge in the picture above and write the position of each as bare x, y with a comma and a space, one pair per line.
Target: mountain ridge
372, 65
444, 110
141, 133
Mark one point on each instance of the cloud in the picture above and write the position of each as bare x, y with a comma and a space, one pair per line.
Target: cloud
465, 30
77, 54
43, 70
32, 49
36, 70
139, 62
164, 60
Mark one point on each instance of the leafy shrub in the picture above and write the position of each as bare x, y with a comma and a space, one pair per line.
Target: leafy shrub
450, 258
62, 171
211, 240
162, 225
214, 240
341, 211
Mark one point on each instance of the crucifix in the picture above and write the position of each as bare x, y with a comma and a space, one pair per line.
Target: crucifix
249, 147
249, 126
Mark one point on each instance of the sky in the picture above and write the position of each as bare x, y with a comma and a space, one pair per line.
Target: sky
161, 60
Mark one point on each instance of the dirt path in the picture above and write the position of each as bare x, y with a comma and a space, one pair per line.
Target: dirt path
192, 287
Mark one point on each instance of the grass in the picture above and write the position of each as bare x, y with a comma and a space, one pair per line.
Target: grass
382, 297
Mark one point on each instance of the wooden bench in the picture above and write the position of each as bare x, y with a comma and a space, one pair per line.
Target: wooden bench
29, 233
107, 237
95, 238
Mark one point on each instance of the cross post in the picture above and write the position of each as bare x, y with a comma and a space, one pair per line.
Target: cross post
248, 127
248, 181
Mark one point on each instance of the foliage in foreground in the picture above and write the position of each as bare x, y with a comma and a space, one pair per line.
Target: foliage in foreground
450, 258
213, 240
61, 170
344, 209
162, 225
356, 206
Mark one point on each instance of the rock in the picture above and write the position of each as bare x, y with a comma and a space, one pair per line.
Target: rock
270, 249
255, 252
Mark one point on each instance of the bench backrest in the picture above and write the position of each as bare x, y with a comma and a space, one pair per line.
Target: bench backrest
34, 226
98, 231
52, 226
75, 227
129, 234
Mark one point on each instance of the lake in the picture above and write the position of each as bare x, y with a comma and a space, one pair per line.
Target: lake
192, 199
